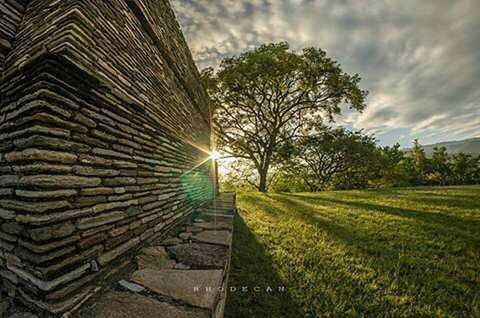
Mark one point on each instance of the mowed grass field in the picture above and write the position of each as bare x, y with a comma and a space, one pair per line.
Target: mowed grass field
407, 252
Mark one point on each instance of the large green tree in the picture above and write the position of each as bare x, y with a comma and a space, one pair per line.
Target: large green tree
263, 98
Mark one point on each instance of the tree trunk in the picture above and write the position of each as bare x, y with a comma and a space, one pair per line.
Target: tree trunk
262, 187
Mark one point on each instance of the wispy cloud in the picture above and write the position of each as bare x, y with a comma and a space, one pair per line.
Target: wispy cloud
420, 60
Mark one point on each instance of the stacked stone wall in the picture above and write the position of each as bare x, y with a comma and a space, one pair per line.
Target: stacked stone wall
104, 133
11, 13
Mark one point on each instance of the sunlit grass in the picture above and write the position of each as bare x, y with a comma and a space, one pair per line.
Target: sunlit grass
381, 253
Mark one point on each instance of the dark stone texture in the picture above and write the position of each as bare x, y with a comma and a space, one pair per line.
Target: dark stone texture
197, 255
214, 237
52, 231
122, 304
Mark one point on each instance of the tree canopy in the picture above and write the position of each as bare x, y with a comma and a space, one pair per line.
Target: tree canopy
329, 152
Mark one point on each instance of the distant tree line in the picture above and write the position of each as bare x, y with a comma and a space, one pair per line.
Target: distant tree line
413, 167
335, 158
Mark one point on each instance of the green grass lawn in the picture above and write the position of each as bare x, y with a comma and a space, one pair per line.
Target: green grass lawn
410, 252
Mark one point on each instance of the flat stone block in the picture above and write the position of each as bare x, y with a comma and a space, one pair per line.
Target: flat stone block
57, 181
53, 231
127, 305
131, 286
193, 229
185, 235
195, 287
99, 220
171, 241
215, 225
200, 255
23, 315
209, 217
213, 237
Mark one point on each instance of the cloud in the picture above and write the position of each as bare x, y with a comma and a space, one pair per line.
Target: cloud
420, 60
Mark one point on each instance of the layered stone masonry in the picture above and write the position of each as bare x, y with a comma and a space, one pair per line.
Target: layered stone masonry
103, 130
184, 275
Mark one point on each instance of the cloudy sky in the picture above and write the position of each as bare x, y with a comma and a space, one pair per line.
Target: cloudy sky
420, 60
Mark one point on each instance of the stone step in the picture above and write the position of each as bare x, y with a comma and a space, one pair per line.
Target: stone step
220, 225
199, 288
223, 202
214, 217
221, 211
200, 255
214, 237
128, 305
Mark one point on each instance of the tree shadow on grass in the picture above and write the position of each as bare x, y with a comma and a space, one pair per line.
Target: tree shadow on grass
447, 199
400, 264
463, 227
253, 268
464, 202
353, 237
365, 245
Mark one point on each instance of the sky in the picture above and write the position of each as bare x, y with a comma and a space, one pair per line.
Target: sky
419, 60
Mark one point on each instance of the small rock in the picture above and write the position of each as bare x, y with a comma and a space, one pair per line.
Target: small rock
181, 266
185, 235
131, 286
155, 258
156, 251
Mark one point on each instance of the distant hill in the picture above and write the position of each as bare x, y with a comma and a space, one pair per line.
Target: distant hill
469, 146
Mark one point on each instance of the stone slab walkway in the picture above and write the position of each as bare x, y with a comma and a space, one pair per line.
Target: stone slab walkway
183, 276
